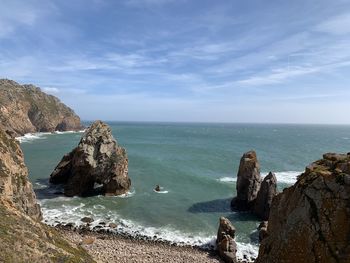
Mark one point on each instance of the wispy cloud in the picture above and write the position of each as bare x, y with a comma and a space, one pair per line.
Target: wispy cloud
338, 25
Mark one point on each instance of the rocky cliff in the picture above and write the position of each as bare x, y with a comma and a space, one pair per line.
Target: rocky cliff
22, 237
98, 159
25, 109
309, 222
15, 187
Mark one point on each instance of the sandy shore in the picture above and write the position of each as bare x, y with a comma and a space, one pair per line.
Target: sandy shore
113, 248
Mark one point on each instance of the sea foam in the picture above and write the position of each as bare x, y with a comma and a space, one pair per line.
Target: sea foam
286, 177
29, 137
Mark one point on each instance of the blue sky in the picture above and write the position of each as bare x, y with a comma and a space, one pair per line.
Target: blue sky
184, 60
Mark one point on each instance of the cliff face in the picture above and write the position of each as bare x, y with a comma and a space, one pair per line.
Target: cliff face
25, 109
22, 237
14, 185
309, 222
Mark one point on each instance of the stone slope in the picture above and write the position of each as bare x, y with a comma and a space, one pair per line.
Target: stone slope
15, 187
22, 237
309, 222
97, 159
26, 109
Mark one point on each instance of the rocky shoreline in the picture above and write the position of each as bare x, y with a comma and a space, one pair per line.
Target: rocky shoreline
105, 246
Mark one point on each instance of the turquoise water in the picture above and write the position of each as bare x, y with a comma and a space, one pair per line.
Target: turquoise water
196, 165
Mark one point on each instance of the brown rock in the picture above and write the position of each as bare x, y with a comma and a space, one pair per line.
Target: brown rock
267, 192
309, 222
14, 184
25, 108
227, 247
87, 219
97, 159
248, 182
88, 240
112, 225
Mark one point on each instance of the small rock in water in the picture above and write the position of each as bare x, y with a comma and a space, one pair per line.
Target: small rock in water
87, 219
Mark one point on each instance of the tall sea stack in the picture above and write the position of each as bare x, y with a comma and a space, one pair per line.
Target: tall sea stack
97, 159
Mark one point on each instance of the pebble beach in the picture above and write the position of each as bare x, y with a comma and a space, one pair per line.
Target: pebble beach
105, 247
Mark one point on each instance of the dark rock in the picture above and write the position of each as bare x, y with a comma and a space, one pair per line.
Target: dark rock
97, 159
157, 188
267, 192
87, 220
263, 230
248, 182
309, 221
227, 247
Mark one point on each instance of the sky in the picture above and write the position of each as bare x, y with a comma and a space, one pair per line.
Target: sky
184, 60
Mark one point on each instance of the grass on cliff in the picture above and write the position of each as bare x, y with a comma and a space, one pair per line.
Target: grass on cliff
24, 240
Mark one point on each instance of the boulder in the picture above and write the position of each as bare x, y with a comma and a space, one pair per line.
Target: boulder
97, 159
248, 182
267, 192
226, 246
309, 221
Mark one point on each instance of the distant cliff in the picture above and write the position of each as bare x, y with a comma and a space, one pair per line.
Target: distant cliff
25, 109
22, 237
309, 221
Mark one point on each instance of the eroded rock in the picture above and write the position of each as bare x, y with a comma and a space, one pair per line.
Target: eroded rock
267, 192
98, 159
227, 247
309, 221
26, 109
248, 182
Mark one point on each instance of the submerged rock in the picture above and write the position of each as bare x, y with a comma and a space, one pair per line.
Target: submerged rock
267, 192
248, 182
227, 247
309, 221
97, 159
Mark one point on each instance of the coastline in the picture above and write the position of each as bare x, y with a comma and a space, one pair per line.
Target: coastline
111, 247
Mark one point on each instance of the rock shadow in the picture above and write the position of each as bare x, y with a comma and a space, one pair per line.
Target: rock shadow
214, 206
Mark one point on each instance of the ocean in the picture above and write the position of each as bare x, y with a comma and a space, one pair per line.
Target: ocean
196, 166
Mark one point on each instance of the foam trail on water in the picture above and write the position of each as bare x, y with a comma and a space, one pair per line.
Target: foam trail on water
286, 177
29, 137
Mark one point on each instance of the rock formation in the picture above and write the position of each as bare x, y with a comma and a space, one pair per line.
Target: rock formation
226, 245
267, 192
97, 159
309, 221
248, 182
22, 237
26, 109
263, 230
15, 187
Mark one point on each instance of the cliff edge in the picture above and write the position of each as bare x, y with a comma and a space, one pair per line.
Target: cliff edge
26, 109
22, 237
309, 222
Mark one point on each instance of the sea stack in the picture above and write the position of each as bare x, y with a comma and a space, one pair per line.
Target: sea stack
248, 182
309, 221
267, 192
226, 245
98, 159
